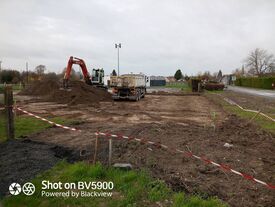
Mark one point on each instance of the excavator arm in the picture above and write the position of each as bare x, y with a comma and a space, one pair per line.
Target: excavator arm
81, 63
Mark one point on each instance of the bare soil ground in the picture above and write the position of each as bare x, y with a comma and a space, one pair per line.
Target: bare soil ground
184, 122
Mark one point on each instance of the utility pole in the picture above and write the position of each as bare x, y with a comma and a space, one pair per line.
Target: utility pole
0, 70
118, 46
27, 69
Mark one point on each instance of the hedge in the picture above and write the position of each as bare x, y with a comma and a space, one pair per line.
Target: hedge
256, 82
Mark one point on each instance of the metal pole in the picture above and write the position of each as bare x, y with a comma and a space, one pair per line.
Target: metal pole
27, 68
118, 46
118, 61
0, 70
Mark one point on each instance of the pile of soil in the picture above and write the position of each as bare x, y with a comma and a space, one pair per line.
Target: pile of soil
22, 160
40, 88
78, 93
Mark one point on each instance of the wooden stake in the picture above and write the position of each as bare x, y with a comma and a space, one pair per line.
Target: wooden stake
96, 144
110, 151
8, 96
254, 117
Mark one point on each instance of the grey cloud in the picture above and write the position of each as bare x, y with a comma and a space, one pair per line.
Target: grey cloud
157, 36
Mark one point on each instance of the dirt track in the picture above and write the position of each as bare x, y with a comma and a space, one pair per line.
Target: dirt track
184, 122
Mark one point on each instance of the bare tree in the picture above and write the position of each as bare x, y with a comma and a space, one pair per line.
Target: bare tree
74, 75
259, 62
40, 70
239, 71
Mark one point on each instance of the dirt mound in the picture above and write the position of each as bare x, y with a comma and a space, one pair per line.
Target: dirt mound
79, 93
40, 88
21, 160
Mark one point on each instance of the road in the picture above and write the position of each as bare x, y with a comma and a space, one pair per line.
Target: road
257, 92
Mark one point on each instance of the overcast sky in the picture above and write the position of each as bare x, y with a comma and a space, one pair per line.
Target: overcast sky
157, 36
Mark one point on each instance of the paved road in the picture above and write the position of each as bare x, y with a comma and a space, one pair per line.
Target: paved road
252, 91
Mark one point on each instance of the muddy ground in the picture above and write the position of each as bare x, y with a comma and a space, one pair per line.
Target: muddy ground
184, 122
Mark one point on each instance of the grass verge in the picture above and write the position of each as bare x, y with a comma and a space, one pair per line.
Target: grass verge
131, 188
263, 122
180, 85
259, 120
25, 125
15, 87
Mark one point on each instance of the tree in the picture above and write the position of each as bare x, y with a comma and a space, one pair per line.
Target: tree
40, 70
114, 73
10, 76
260, 62
178, 74
219, 76
239, 71
50, 76
74, 75
186, 77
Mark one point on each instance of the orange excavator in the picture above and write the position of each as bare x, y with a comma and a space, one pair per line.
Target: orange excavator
97, 74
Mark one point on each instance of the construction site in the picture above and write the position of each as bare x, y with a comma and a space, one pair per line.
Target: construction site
193, 122
137, 103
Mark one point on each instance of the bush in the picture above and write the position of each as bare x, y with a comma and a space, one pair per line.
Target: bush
213, 86
256, 82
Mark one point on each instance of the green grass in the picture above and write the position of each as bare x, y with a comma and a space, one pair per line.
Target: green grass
180, 85
259, 120
15, 87
25, 125
263, 122
131, 188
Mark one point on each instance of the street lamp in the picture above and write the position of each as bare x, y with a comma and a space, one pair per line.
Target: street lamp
27, 69
118, 46
0, 70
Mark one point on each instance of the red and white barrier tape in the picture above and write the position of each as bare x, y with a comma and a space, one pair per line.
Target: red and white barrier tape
189, 154
249, 110
159, 145
50, 122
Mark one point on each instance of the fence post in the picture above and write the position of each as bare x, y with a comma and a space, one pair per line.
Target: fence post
8, 96
95, 151
110, 151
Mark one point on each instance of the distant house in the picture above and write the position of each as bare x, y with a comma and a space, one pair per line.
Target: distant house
170, 79
157, 81
228, 79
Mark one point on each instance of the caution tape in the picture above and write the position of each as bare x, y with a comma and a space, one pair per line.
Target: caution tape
160, 145
189, 154
248, 110
48, 121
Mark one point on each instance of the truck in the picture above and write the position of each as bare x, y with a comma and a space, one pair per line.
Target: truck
128, 86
